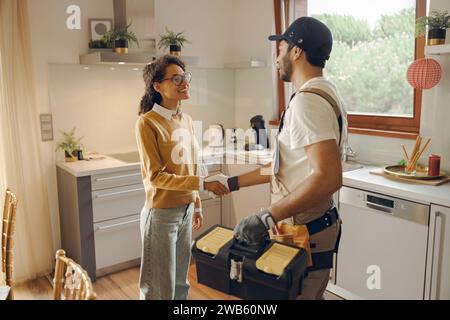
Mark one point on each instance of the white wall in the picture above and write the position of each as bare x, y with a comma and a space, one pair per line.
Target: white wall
141, 13
207, 24
53, 42
252, 24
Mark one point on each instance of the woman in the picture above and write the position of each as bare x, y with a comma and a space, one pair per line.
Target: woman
170, 180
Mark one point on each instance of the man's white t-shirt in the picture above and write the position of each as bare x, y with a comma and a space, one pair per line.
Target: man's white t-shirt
309, 119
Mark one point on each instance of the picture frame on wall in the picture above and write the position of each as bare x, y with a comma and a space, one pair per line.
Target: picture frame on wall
98, 28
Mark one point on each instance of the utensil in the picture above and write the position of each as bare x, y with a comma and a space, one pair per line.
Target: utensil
415, 155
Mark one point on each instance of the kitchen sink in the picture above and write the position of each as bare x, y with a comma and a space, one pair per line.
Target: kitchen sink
351, 166
129, 157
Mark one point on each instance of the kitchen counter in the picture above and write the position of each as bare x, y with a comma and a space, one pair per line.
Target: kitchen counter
99, 166
130, 161
363, 179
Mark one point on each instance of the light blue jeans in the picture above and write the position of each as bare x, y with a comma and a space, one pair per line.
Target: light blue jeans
166, 253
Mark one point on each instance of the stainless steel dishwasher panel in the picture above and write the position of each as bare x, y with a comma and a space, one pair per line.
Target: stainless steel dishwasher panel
383, 247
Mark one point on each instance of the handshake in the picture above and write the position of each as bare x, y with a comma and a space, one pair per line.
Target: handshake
220, 185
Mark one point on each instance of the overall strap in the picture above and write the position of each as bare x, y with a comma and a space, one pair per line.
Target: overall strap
331, 101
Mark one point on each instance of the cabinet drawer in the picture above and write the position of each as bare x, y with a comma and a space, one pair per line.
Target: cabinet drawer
117, 241
119, 202
116, 179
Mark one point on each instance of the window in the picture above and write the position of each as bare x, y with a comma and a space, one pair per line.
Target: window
373, 46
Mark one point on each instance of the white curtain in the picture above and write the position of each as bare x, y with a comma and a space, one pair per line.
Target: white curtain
20, 161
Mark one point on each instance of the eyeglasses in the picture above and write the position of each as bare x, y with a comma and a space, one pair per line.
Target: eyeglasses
178, 79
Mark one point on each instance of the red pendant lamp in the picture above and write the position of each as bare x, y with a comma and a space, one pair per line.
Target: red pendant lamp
424, 73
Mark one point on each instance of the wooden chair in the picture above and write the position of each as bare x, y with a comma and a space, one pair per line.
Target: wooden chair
8, 228
71, 280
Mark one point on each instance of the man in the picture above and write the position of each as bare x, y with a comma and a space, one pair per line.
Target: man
307, 167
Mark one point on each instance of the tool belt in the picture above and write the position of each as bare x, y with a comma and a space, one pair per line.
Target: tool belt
324, 260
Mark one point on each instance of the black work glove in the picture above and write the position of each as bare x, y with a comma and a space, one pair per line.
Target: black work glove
253, 230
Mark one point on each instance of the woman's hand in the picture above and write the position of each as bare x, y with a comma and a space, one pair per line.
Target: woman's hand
217, 188
197, 221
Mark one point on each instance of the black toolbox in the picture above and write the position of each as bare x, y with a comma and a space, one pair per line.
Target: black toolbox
232, 268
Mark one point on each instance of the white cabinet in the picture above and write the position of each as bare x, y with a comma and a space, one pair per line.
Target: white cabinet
246, 201
99, 218
117, 202
117, 241
438, 262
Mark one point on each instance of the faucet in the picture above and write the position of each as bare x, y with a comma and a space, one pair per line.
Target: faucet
348, 153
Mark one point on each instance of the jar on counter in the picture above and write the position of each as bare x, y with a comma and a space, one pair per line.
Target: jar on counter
434, 165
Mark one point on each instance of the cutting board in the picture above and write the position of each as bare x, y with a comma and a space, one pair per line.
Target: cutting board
437, 182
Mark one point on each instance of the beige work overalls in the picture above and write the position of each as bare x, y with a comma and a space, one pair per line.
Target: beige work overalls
323, 242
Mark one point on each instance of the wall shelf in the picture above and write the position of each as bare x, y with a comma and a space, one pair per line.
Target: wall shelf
141, 58
109, 58
437, 50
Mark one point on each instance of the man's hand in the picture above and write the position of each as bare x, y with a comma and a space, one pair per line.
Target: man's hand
253, 229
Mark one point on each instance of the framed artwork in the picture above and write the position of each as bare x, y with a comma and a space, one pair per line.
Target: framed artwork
98, 28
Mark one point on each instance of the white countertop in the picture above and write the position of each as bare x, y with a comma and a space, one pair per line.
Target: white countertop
210, 155
86, 168
363, 179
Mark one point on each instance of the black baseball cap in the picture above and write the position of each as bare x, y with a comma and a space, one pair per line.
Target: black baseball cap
309, 34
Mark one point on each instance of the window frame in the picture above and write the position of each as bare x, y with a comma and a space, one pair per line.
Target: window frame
374, 125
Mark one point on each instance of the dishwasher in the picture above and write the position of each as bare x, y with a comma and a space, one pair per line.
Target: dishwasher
383, 248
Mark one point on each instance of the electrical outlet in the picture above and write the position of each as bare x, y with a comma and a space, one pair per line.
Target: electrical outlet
46, 127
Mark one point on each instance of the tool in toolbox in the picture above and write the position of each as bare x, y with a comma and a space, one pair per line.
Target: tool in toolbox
273, 271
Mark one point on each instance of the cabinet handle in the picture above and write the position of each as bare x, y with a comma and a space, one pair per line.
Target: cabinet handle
107, 195
113, 226
436, 258
117, 177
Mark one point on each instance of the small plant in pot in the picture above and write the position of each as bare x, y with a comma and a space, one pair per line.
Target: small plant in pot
173, 41
98, 46
437, 23
70, 145
120, 39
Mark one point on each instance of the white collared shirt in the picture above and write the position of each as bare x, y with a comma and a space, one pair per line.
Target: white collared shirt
164, 112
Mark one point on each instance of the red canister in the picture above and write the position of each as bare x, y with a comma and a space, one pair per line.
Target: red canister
434, 165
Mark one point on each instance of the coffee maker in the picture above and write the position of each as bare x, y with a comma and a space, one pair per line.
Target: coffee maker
257, 123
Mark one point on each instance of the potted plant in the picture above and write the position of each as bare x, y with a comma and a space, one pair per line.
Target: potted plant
119, 39
173, 41
437, 23
70, 145
98, 45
